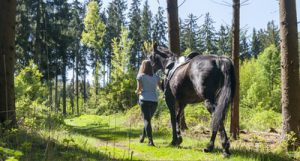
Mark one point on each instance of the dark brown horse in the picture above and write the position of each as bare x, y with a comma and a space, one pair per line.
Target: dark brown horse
204, 78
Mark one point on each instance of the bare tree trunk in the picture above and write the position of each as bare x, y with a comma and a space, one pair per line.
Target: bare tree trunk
7, 61
38, 40
173, 25
290, 97
64, 79
234, 125
56, 91
84, 87
50, 95
77, 87
72, 91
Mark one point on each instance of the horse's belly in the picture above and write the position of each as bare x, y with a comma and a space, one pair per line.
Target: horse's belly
189, 97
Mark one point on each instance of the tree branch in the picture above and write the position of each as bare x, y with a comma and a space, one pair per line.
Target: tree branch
223, 3
227, 4
182, 3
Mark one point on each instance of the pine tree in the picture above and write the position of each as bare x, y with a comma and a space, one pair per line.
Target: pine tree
244, 46
207, 43
173, 27
146, 23
234, 124
23, 33
76, 23
160, 28
63, 44
7, 59
224, 42
92, 36
256, 46
189, 32
135, 33
115, 20
290, 98
271, 35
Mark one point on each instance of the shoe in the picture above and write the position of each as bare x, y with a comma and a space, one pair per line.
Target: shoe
142, 138
150, 143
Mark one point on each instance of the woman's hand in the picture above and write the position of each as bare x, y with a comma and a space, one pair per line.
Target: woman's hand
138, 92
161, 85
138, 87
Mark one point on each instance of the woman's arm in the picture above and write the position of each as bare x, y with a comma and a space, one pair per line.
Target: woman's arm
138, 87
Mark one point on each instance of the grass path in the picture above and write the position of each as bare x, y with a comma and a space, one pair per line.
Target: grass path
111, 136
97, 138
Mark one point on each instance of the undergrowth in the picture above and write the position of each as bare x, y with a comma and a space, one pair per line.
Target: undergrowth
49, 136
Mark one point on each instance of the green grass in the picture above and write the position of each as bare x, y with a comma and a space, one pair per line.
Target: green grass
121, 141
115, 137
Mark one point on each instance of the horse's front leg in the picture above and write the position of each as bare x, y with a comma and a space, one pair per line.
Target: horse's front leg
170, 100
180, 120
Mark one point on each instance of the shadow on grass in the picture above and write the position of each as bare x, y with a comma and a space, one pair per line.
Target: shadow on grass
107, 133
36, 148
245, 154
261, 156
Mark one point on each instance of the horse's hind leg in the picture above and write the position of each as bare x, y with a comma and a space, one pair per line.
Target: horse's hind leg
225, 140
210, 107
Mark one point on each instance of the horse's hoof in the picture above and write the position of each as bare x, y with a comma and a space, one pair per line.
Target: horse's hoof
179, 140
226, 153
208, 149
176, 142
173, 143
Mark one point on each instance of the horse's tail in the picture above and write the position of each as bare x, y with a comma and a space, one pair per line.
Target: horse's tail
226, 94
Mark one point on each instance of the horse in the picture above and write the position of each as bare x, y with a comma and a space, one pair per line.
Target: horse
204, 78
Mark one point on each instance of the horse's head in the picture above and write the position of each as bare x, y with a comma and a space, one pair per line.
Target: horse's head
161, 58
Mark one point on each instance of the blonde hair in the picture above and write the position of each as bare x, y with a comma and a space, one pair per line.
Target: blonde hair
146, 68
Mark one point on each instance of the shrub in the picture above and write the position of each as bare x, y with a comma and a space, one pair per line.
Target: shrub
30, 91
258, 119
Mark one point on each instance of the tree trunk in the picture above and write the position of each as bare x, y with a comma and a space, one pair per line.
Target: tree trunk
64, 79
56, 91
172, 9
234, 125
7, 61
77, 87
72, 92
290, 97
84, 86
38, 40
50, 95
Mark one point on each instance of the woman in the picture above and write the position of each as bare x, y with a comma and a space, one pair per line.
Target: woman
146, 89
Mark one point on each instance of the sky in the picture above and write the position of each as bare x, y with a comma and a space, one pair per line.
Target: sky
254, 14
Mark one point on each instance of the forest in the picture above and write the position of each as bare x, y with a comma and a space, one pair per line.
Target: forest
68, 72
